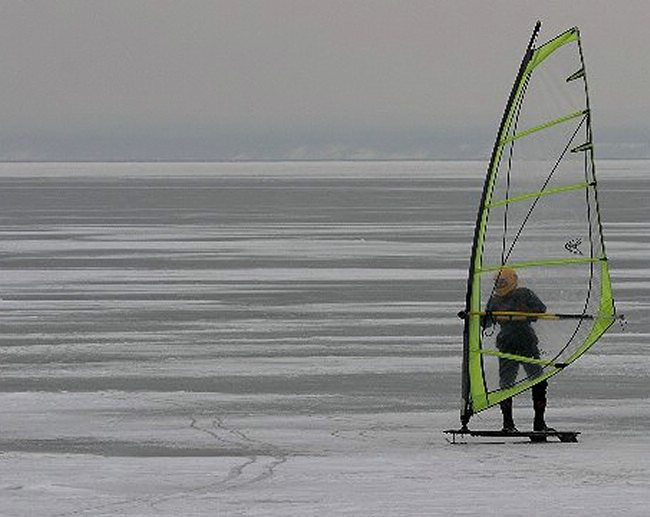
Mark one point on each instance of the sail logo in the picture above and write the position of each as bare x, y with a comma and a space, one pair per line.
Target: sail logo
573, 246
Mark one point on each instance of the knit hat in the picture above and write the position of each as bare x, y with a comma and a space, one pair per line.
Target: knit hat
505, 281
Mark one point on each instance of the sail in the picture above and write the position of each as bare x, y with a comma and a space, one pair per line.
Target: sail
538, 216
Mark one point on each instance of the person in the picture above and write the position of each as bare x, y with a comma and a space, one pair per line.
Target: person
516, 336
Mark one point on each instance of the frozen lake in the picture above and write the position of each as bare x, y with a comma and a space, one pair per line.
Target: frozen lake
281, 339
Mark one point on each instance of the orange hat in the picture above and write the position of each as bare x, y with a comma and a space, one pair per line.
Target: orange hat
505, 281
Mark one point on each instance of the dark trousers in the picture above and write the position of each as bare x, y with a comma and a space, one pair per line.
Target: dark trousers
523, 343
539, 405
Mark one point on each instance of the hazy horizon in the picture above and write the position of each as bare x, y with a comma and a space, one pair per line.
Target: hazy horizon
226, 80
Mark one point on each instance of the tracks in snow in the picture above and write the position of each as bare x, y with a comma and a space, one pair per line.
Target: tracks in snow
260, 461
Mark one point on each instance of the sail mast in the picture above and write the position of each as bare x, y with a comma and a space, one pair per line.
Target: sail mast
479, 232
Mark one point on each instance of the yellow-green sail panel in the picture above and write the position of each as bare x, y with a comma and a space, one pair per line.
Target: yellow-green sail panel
539, 217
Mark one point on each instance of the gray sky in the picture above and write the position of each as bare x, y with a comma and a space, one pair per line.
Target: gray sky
255, 79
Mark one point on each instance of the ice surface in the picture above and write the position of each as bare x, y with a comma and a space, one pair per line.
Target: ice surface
280, 339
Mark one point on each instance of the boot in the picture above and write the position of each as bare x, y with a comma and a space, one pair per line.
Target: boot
539, 405
508, 421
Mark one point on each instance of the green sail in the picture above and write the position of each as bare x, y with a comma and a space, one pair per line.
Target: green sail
539, 215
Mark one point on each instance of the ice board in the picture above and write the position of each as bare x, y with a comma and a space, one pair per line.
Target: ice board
534, 436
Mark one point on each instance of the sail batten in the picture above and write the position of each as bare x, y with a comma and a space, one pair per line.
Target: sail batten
587, 146
518, 358
547, 192
576, 75
544, 125
559, 262
538, 216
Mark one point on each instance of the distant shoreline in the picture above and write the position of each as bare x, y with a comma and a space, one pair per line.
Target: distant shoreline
329, 160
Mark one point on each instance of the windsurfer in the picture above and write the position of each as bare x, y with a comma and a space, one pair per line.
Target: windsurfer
516, 336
